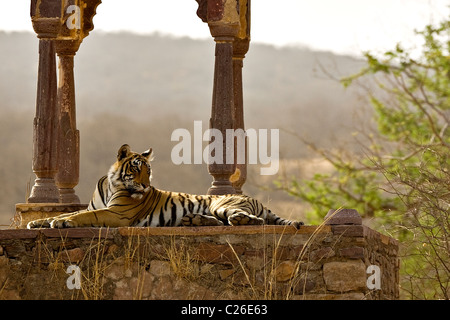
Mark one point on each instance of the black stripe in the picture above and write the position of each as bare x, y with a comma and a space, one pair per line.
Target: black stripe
162, 221
100, 190
174, 214
167, 201
190, 205
182, 198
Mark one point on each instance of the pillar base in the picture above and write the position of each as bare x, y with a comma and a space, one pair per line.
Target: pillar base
221, 187
44, 191
67, 195
26, 212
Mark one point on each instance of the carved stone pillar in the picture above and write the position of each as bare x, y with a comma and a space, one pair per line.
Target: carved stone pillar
222, 113
45, 126
68, 135
61, 25
229, 23
240, 49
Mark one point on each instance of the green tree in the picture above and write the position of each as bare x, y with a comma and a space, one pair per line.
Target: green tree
401, 179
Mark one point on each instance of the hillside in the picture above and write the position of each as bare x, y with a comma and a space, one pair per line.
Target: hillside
138, 89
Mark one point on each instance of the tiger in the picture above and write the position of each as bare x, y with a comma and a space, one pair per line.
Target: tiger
125, 197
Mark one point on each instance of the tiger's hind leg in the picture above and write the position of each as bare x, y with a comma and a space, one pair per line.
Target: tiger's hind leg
243, 218
196, 220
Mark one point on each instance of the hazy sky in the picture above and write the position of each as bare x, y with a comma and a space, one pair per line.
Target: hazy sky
341, 26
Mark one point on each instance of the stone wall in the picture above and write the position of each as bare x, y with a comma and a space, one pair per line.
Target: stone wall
340, 259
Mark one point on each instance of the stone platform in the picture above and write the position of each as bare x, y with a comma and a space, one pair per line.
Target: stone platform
26, 212
330, 261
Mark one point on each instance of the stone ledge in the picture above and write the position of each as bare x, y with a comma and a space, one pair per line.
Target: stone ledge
202, 231
109, 233
57, 233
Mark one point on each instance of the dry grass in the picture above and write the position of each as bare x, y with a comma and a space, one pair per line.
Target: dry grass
270, 285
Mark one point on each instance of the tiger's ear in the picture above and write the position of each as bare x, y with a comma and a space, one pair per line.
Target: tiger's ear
123, 152
148, 154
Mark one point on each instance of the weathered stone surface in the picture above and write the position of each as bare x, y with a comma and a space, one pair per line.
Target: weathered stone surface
129, 267
348, 230
285, 271
226, 273
321, 254
15, 249
73, 255
115, 272
218, 253
344, 276
143, 285
343, 216
123, 290
352, 252
160, 268
304, 286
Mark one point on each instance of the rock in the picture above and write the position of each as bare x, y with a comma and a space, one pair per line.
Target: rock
322, 253
160, 268
352, 252
219, 253
225, 273
115, 272
344, 276
285, 271
123, 290
303, 286
343, 216
73, 255
142, 285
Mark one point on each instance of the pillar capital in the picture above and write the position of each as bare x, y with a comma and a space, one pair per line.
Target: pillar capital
63, 19
223, 31
67, 47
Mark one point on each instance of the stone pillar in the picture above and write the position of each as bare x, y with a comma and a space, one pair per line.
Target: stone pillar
240, 49
45, 126
240, 175
222, 104
229, 24
68, 135
60, 26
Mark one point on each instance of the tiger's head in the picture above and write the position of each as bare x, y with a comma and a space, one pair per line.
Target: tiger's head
131, 172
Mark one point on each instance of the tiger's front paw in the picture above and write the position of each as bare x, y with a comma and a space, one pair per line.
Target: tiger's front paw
63, 223
40, 223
